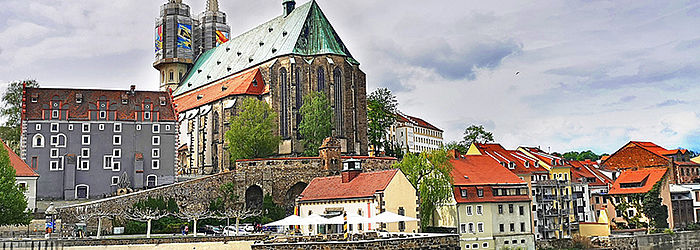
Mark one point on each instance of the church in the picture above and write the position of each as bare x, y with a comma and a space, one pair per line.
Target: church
209, 72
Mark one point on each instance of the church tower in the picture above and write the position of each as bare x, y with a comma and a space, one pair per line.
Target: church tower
173, 43
211, 29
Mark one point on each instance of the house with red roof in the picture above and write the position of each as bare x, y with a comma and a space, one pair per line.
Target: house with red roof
589, 177
413, 134
641, 154
358, 193
24, 177
492, 205
638, 181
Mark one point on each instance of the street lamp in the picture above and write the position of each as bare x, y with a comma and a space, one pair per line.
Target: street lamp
50, 219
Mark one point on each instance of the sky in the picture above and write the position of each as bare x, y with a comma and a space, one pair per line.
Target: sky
562, 75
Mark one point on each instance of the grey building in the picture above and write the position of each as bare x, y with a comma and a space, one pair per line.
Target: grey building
86, 143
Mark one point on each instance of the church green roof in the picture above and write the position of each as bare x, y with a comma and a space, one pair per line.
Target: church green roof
305, 31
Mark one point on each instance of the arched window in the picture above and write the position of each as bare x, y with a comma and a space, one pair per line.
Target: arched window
82, 191
284, 103
38, 141
338, 88
172, 76
215, 122
61, 140
299, 96
151, 181
321, 79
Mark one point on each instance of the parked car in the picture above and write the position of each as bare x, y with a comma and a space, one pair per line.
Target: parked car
233, 231
211, 230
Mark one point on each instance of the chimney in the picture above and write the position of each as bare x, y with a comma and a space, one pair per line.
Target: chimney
351, 169
132, 90
288, 6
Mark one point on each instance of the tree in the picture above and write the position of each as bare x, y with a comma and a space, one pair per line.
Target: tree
393, 149
270, 212
149, 210
227, 205
381, 114
581, 156
252, 133
12, 110
429, 173
316, 122
476, 134
13, 204
459, 146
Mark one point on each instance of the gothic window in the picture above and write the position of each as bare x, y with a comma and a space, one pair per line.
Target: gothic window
215, 122
299, 97
172, 76
338, 87
284, 103
321, 79
38, 141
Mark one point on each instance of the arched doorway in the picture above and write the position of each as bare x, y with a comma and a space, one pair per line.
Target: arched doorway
253, 197
291, 195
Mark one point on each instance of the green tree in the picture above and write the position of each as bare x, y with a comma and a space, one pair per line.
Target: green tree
429, 173
581, 156
11, 111
381, 114
459, 146
476, 134
252, 133
316, 122
270, 212
13, 205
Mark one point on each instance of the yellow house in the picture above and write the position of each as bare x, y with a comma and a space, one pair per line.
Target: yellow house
365, 194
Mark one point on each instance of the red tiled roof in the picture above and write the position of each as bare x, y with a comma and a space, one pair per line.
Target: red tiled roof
658, 149
65, 100
422, 123
545, 157
588, 169
21, 167
481, 170
500, 154
646, 176
473, 197
245, 83
331, 188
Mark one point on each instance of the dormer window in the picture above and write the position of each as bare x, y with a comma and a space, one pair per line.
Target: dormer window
511, 165
54, 114
78, 98
147, 115
125, 99
527, 164
103, 114
463, 193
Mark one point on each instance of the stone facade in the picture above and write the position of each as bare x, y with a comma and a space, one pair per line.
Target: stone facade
426, 241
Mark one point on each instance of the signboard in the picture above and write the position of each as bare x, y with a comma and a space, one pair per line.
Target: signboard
221, 37
118, 230
184, 36
159, 39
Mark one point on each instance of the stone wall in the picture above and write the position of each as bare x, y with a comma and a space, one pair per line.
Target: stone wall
442, 241
678, 240
110, 243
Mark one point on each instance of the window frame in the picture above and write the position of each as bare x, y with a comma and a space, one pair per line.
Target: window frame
116, 165
117, 153
155, 153
83, 140
117, 127
155, 164
116, 140
155, 128
52, 155
104, 162
86, 127
84, 165
113, 183
54, 125
52, 167
83, 154
42, 141
155, 140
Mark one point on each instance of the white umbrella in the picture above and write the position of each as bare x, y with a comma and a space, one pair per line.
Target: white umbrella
315, 219
292, 220
388, 217
352, 219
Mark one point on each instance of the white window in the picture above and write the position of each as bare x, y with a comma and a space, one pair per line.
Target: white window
146, 115
116, 166
103, 114
151, 181
84, 165
162, 102
469, 210
115, 180
54, 140
155, 153
86, 139
117, 152
480, 227
61, 140
86, 127
485, 245
471, 227
155, 164
54, 153
38, 141
479, 210
85, 153
167, 127
138, 127
102, 127
82, 191
156, 140
156, 128
53, 165
463, 228
117, 140
475, 246
54, 127
70, 127
38, 127
54, 114
117, 127
107, 162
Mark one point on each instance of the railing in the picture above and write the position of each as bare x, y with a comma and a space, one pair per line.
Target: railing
32, 244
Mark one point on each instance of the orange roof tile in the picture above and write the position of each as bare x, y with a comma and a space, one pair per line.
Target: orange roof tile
589, 169
501, 155
21, 167
245, 83
642, 179
364, 185
481, 170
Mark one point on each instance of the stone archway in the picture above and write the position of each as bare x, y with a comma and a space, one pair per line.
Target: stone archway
292, 193
254, 197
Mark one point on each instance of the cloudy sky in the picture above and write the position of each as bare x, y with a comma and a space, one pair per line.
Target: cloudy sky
563, 75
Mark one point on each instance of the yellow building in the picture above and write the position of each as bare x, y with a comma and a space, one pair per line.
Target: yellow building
364, 194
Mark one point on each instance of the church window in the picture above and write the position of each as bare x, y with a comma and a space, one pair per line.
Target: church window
338, 87
298, 96
321, 79
284, 103
172, 76
215, 122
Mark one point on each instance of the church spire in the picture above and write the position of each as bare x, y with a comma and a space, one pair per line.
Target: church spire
212, 5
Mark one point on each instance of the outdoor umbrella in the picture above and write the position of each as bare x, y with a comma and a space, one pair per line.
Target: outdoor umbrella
352, 219
315, 219
292, 220
389, 217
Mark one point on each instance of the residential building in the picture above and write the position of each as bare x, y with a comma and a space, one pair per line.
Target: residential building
279, 61
682, 202
413, 134
640, 154
694, 190
25, 177
361, 193
85, 143
553, 195
491, 207
589, 204
638, 181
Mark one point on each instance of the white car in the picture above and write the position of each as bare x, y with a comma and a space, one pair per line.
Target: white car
231, 231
